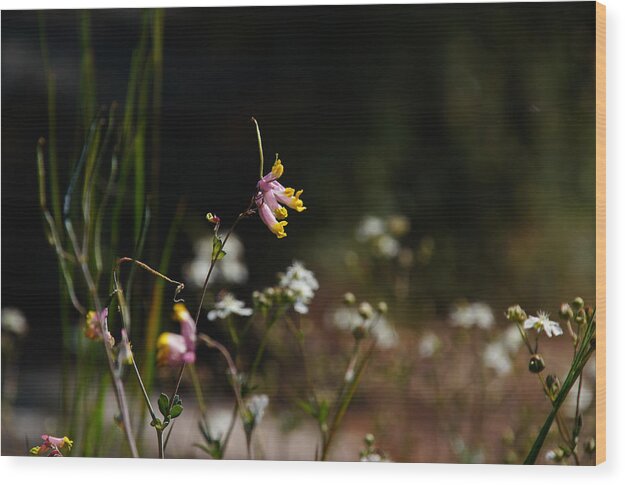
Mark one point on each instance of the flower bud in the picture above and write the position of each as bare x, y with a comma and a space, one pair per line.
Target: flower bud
369, 439
365, 310
536, 364
590, 446
566, 312
382, 307
349, 298
212, 218
553, 384
578, 303
516, 314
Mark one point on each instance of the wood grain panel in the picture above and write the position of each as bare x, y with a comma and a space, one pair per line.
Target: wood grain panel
600, 235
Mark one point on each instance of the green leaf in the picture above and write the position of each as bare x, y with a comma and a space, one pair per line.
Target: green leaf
306, 407
176, 410
163, 404
218, 252
324, 410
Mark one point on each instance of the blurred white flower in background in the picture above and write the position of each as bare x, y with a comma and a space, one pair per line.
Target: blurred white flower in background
586, 397
370, 228
302, 283
382, 234
228, 305
429, 345
499, 354
468, 315
349, 318
14, 321
551, 455
512, 339
372, 457
387, 246
497, 358
230, 270
256, 405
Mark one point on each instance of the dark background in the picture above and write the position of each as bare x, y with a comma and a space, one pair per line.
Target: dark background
477, 122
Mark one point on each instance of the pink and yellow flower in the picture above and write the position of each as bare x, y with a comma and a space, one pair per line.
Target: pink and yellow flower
273, 199
52, 446
173, 348
93, 326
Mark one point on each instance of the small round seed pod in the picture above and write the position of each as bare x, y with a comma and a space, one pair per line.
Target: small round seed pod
536, 364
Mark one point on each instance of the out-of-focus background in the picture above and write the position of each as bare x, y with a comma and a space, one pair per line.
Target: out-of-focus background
447, 155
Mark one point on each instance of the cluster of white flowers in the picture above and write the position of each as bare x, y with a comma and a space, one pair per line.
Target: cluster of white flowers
14, 321
498, 354
229, 270
473, 315
349, 318
302, 283
429, 345
372, 457
382, 234
256, 405
228, 305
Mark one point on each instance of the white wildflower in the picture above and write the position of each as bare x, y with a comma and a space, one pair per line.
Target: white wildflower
542, 322
551, 455
346, 318
14, 321
387, 246
429, 345
228, 305
372, 457
512, 339
302, 283
370, 228
497, 358
384, 333
474, 314
230, 270
256, 405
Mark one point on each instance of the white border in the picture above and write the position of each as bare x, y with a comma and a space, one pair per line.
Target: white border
109, 471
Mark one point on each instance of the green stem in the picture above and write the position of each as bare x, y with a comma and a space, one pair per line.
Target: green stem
587, 348
161, 444
260, 147
198, 389
338, 417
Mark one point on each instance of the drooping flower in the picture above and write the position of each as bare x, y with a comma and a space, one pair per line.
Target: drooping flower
273, 198
302, 283
228, 305
124, 352
93, 326
52, 446
542, 322
173, 348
